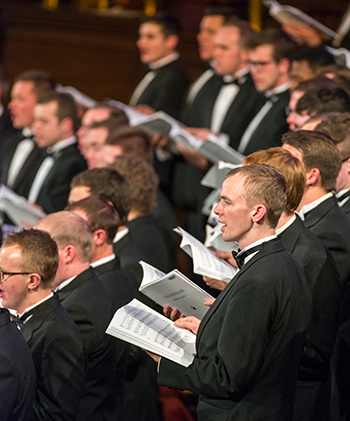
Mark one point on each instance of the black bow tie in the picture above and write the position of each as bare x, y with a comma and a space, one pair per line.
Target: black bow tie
344, 196
240, 257
20, 320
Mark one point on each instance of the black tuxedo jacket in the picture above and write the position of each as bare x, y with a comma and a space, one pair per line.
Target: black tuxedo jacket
166, 90
243, 108
325, 288
29, 169
91, 309
116, 283
249, 343
6, 127
270, 130
59, 360
130, 255
54, 192
17, 385
166, 221
332, 227
149, 240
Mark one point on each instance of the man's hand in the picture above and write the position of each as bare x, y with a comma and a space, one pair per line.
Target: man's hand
146, 109
214, 283
193, 157
210, 302
160, 141
227, 256
172, 313
302, 34
201, 133
190, 323
156, 357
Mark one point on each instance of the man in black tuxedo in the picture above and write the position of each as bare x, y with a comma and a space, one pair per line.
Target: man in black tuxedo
269, 58
163, 87
325, 287
211, 22
55, 123
338, 128
250, 341
225, 106
20, 157
140, 388
319, 208
85, 299
17, 385
326, 219
103, 221
29, 260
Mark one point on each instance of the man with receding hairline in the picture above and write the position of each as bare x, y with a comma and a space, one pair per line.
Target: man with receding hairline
85, 299
250, 341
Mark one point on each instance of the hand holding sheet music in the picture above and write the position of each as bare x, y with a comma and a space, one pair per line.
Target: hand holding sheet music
140, 325
174, 289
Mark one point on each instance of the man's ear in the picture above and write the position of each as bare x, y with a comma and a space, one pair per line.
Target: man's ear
347, 163
172, 41
313, 176
68, 253
99, 237
284, 65
258, 213
67, 124
34, 281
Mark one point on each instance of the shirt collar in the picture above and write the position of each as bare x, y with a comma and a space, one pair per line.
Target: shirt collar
256, 243
64, 284
307, 208
164, 61
103, 261
286, 225
341, 192
62, 144
120, 234
339, 195
278, 90
241, 73
27, 132
15, 313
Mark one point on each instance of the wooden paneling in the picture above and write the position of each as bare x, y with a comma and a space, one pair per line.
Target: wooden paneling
96, 54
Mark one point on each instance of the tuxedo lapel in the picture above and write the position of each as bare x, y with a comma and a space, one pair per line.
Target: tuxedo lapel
314, 216
81, 278
269, 247
36, 317
290, 236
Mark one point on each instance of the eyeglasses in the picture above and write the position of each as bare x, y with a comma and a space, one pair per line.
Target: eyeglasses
260, 64
2, 274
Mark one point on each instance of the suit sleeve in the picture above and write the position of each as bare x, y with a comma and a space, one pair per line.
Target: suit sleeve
226, 368
62, 380
8, 386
